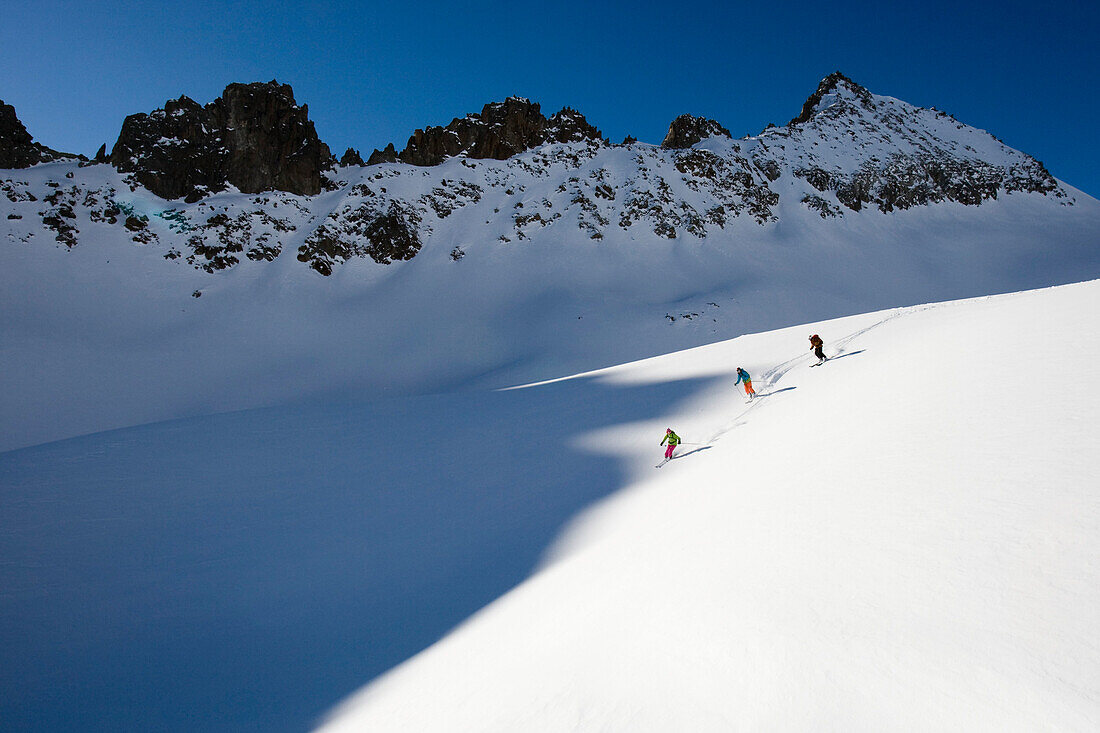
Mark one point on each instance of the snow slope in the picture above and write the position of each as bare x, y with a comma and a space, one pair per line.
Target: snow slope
564, 258
107, 334
903, 538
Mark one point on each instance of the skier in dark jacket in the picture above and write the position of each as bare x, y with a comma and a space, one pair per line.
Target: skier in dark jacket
815, 346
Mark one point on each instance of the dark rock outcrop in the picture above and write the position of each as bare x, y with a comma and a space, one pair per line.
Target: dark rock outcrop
255, 137
382, 232
568, 126
18, 149
389, 155
501, 130
686, 130
175, 151
218, 242
919, 180
351, 157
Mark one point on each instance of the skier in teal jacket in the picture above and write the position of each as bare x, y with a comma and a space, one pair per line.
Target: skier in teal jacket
743, 376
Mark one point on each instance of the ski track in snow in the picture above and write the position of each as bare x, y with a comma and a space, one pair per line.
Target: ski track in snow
773, 377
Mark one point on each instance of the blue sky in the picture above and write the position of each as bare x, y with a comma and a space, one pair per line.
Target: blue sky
373, 72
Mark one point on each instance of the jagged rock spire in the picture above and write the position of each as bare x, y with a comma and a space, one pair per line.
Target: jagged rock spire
351, 157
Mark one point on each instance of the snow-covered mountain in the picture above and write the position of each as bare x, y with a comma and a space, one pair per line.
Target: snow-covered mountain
904, 538
529, 248
519, 172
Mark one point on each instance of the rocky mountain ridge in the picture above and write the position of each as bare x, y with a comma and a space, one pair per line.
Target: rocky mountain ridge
500, 131
508, 172
254, 137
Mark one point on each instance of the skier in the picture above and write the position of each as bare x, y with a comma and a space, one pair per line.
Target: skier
743, 376
673, 441
815, 346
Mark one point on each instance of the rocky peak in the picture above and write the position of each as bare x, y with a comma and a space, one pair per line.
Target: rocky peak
501, 130
870, 150
513, 111
686, 130
837, 91
255, 137
272, 142
351, 157
515, 125
567, 125
17, 147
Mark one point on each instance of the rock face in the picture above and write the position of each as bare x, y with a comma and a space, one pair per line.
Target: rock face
686, 130
501, 130
255, 137
389, 155
17, 148
175, 151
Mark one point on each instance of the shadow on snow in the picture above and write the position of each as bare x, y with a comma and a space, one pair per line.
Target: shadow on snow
693, 451
249, 570
774, 391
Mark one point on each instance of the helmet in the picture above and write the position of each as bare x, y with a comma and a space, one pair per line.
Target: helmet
669, 430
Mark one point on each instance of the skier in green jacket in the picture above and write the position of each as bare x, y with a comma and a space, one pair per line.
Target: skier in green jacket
673, 441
